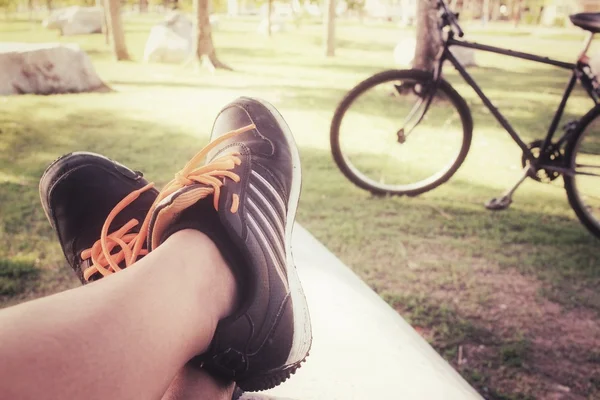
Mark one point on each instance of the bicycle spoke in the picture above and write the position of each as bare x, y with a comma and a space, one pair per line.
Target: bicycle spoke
371, 142
586, 166
411, 115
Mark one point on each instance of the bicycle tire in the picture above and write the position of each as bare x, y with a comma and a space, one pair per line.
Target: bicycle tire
571, 151
389, 76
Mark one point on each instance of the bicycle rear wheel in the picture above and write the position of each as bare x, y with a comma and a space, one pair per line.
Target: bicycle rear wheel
583, 182
384, 142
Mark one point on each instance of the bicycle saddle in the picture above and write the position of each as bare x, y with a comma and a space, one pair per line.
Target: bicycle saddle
588, 21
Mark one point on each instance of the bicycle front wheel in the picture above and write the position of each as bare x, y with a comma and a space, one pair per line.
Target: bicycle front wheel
392, 135
582, 181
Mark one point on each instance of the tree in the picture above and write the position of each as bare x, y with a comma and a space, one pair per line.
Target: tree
100, 4
269, 17
517, 12
485, 13
114, 26
428, 40
205, 50
330, 29
496, 10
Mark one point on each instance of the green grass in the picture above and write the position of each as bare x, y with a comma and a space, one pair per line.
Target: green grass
16, 275
513, 354
441, 259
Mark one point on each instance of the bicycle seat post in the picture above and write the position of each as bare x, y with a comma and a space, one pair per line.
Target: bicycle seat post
586, 46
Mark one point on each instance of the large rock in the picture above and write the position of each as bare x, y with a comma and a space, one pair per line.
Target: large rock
172, 41
404, 53
76, 20
48, 68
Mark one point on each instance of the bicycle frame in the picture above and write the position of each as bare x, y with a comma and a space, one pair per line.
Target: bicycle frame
577, 74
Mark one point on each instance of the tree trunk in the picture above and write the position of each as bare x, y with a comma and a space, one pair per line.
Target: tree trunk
495, 11
269, 17
466, 9
115, 29
49, 6
205, 50
143, 5
330, 29
30, 7
518, 12
485, 12
100, 4
428, 40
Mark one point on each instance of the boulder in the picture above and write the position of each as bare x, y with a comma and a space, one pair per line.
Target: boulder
48, 68
404, 53
172, 41
166, 46
76, 20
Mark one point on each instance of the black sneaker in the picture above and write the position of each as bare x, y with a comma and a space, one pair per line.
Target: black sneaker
78, 183
252, 177
79, 191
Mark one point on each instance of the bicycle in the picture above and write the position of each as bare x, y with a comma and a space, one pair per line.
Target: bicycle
439, 150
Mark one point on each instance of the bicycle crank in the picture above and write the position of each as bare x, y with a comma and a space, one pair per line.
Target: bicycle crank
552, 157
504, 201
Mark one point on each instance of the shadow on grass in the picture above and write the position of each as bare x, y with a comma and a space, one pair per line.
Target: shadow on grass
556, 248
553, 247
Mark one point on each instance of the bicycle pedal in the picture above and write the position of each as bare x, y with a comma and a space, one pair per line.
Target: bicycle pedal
498, 203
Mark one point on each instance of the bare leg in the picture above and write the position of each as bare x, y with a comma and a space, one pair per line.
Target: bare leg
196, 384
123, 337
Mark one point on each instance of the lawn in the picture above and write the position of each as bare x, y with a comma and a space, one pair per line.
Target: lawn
510, 298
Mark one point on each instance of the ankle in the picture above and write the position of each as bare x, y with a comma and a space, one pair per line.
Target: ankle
205, 267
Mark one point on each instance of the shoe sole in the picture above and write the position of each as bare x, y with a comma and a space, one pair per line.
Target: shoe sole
302, 338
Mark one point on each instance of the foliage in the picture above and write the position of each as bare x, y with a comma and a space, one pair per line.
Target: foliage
355, 5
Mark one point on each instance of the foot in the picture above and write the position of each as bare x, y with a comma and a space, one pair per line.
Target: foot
252, 179
79, 191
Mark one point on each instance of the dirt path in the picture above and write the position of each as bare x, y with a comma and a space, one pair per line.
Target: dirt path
516, 343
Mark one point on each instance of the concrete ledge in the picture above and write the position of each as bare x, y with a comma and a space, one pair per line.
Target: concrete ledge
362, 348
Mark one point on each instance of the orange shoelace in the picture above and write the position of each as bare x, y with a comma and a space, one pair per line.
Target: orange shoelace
133, 245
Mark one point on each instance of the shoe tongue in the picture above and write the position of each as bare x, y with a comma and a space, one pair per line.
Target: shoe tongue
81, 265
225, 149
170, 208
85, 264
83, 241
